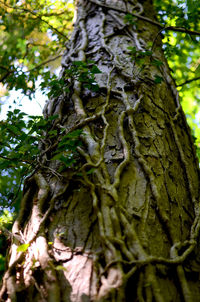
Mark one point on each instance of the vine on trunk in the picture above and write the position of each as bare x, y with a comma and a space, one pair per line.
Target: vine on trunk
111, 149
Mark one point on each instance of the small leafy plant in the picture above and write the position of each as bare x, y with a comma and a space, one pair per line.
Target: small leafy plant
20, 139
66, 150
84, 72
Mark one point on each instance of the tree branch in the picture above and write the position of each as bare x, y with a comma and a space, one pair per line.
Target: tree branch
36, 67
37, 17
44, 63
5, 76
173, 28
12, 159
126, 12
188, 81
182, 30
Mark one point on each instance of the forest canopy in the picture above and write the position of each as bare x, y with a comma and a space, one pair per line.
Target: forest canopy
33, 37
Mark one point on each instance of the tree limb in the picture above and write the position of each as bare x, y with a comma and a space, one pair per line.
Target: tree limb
36, 16
173, 28
44, 63
36, 67
188, 81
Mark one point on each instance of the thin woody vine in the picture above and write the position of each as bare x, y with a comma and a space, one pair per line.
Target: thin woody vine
21, 138
31, 131
25, 137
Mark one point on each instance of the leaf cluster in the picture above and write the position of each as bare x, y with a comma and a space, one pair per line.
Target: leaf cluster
66, 150
84, 72
19, 149
130, 19
182, 52
32, 37
143, 58
137, 55
21, 136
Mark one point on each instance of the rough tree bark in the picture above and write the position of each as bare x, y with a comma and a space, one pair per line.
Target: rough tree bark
129, 230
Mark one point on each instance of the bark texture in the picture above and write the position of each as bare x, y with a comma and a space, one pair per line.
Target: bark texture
129, 230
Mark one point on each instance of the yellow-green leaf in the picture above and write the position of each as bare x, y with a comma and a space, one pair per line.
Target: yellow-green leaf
60, 267
23, 247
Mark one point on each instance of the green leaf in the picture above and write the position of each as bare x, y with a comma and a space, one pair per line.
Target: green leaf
53, 133
95, 70
197, 70
158, 79
16, 111
130, 19
60, 267
23, 248
68, 161
132, 49
146, 53
90, 171
53, 117
79, 63
194, 138
74, 134
157, 63
57, 156
13, 129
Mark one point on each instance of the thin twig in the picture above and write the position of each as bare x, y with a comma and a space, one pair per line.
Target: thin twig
44, 63
182, 30
173, 28
36, 16
176, 29
36, 67
20, 160
188, 81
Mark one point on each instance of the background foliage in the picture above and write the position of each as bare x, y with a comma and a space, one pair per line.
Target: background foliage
182, 52
33, 37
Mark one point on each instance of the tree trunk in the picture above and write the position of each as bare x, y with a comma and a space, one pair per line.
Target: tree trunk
124, 225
